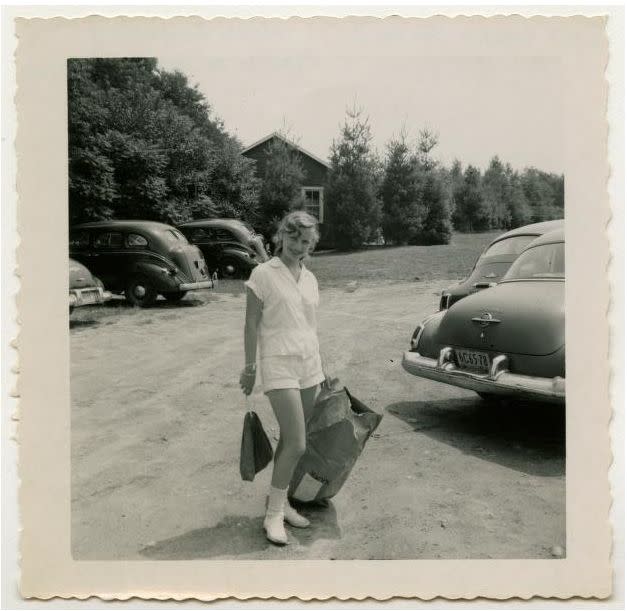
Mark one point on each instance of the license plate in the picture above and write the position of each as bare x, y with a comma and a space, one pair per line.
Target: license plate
90, 296
471, 359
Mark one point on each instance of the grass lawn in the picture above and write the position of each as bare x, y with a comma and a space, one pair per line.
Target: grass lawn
383, 264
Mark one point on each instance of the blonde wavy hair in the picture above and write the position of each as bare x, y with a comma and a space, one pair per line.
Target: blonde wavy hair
293, 223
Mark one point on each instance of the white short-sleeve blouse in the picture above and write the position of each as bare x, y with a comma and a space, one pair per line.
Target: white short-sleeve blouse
288, 321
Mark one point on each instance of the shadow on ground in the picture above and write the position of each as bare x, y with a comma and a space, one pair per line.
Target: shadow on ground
239, 535
81, 324
530, 438
160, 304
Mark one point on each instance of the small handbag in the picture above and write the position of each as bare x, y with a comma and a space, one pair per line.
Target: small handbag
256, 451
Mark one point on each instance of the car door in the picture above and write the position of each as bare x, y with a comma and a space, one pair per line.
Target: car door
80, 247
204, 238
108, 258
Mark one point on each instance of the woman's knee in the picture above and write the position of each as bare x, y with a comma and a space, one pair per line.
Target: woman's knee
293, 445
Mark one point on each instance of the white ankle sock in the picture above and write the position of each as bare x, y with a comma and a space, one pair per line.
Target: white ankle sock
277, 499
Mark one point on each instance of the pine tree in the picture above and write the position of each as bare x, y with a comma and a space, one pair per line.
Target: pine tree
352, 189
402, 212
281, 184
435, 198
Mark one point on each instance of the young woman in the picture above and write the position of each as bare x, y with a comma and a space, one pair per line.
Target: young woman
281, 303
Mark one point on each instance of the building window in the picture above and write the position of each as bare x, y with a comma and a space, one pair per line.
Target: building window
314, 202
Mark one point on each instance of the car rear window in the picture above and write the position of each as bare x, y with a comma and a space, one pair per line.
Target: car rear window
198, 234
509, 246
134, 240
543, 261
109, 239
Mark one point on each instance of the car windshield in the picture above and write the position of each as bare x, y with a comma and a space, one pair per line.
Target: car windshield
542, 261
174, 235
509, 246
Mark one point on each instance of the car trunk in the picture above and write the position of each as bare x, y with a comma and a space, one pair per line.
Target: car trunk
79, 277
190, 261
531, 319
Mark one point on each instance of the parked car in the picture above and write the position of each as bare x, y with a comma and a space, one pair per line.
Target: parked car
508, 340
495, 260
140, 259
230, 247
85, 289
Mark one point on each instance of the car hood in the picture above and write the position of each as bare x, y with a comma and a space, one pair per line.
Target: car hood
530, 317
80, 276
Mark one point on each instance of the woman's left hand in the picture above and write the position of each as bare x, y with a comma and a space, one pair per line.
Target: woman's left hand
247, 381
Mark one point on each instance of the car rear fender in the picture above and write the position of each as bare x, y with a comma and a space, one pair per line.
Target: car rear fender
159, 274
238, 252
427, 339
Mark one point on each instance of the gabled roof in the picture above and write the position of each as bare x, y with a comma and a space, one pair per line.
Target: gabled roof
326, 164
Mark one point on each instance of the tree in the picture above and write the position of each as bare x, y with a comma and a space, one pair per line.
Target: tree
434, 196
455, 183
545, 194
519, 209
352, 190
402, 212
281, 184
471, 211
436, 227
495, 193
143, 144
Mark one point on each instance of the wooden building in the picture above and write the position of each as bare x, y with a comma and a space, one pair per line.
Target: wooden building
315, 169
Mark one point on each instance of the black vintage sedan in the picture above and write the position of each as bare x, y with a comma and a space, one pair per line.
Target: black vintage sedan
230, 247
495, 260
140, 259
508, 340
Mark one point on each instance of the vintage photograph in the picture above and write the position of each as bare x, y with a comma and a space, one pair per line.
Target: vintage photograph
317, 307
375, 270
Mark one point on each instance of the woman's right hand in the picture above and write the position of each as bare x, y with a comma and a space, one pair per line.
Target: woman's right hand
247, 381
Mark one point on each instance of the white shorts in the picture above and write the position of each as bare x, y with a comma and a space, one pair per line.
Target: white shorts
290, 371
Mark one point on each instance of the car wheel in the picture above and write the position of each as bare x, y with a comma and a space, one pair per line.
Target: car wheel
174, 297
230, 269
139, 292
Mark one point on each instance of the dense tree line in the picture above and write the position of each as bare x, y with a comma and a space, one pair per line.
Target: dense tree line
502, 198
143, 144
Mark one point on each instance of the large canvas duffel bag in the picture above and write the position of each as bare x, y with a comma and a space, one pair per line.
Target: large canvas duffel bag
336, 435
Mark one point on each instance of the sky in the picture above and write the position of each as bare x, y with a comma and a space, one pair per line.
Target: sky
479, 106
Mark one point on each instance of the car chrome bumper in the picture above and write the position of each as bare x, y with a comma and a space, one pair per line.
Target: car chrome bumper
82, 297
193, 286
498, 381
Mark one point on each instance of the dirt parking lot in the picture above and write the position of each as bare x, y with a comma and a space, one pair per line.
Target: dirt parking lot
156, 424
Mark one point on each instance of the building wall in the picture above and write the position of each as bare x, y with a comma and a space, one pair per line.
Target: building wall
315, 176
315, 172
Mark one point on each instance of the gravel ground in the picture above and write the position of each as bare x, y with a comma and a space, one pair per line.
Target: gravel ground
156, 424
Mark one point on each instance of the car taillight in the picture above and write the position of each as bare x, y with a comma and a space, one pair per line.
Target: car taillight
413, 342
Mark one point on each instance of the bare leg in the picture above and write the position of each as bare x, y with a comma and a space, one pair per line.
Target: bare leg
308, 398
288, 409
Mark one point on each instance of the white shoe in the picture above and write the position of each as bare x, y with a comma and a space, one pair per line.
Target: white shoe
275, 529
294, 518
